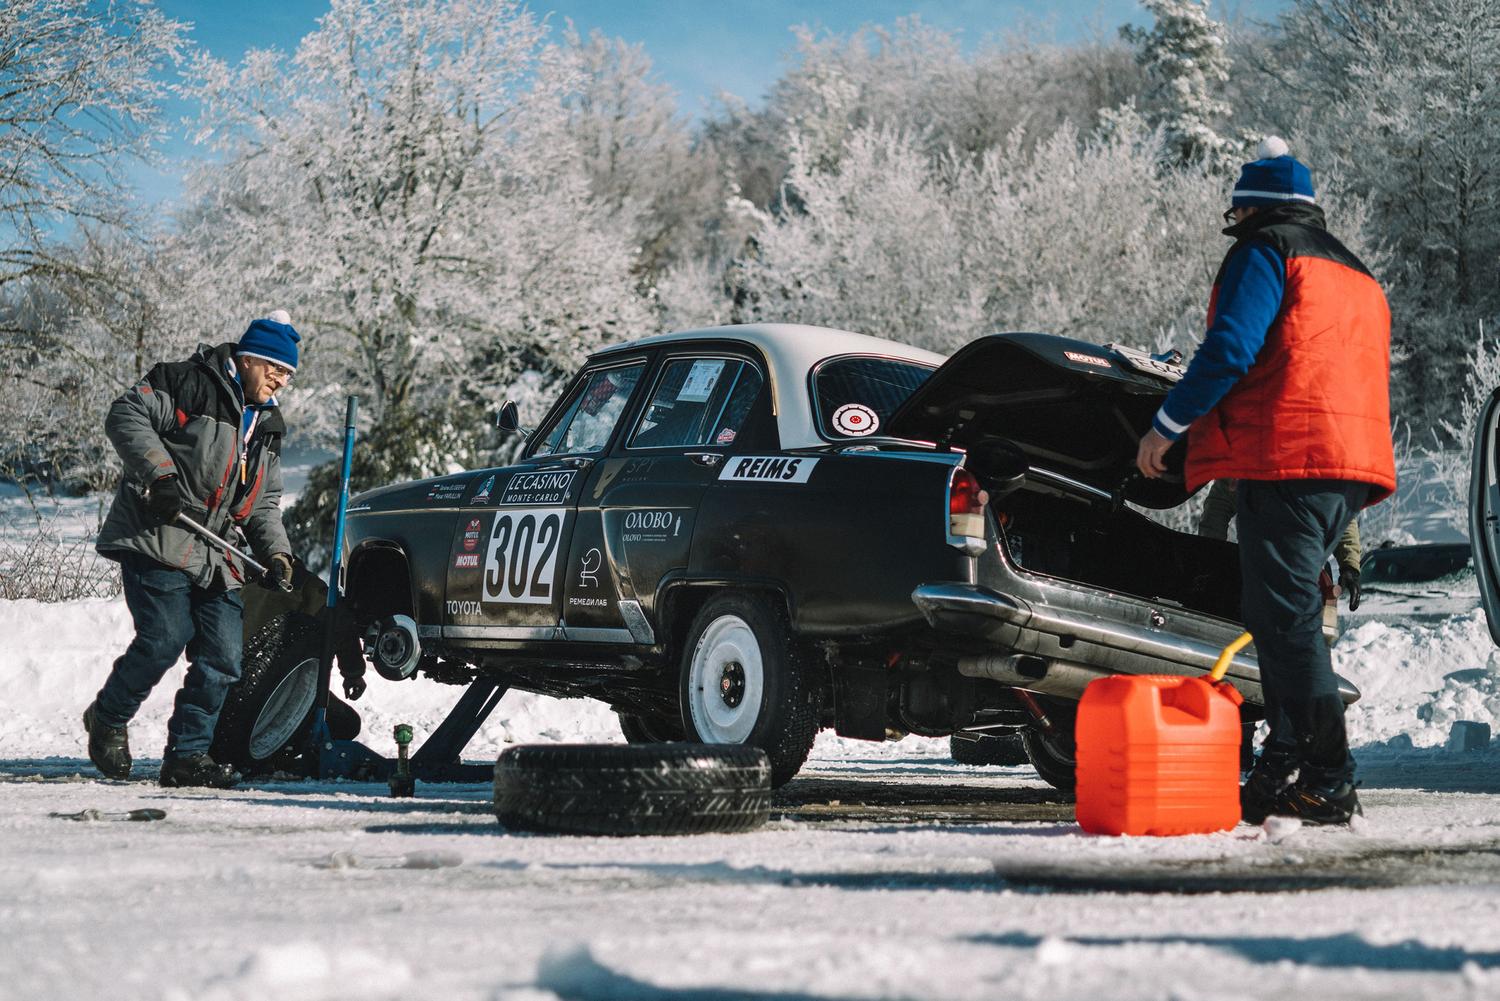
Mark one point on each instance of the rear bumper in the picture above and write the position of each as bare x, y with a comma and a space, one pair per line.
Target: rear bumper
1055, 633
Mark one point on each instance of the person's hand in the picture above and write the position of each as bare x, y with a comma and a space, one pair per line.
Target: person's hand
164, 499
280, 571
1150, 457
1349, 584
354, 686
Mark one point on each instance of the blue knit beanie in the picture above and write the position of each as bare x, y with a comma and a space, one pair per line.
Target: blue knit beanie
1273, 178
273, 339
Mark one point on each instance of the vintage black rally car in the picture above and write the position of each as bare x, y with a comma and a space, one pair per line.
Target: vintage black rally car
743, 534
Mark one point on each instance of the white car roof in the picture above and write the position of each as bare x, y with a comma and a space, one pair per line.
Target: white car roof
791, 350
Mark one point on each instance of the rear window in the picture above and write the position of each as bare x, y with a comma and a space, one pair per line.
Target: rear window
855, 396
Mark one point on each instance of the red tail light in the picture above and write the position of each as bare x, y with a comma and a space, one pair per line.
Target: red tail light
966, 503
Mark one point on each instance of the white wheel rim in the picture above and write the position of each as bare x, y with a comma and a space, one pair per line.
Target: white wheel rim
285, 710
726, 682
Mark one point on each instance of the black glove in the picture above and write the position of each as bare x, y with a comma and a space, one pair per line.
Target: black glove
1349, 583
280, 574
164, 499
354, 686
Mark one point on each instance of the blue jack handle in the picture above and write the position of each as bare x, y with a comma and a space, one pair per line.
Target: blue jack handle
320, 735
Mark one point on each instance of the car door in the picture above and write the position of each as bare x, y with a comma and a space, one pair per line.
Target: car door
635, 521
511, 539
1484, 511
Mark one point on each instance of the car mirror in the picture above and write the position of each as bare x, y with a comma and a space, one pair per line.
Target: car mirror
509, 420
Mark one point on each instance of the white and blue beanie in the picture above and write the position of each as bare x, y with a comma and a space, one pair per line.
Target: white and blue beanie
1273, 178
271, 338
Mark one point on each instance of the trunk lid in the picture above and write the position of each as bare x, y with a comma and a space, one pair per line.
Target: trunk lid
1066, 412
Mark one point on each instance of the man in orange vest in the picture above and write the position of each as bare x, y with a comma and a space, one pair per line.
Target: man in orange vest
1289, 394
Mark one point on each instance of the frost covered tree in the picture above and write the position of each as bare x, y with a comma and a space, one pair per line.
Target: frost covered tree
1185, 53
80, 88
406, 183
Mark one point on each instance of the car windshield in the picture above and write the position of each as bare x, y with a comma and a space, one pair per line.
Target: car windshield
854, 396
591, 414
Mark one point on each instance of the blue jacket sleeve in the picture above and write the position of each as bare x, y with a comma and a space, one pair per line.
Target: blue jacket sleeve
1249, 299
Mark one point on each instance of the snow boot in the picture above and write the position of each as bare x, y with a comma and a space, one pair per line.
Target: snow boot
109, 746
1319, 805
1270, 776
180, 770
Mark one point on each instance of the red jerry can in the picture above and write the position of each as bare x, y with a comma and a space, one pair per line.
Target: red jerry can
1160, 754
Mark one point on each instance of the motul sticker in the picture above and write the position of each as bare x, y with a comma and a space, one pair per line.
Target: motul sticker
1084, 359
471, 534
855, 419
768, 468
466, 561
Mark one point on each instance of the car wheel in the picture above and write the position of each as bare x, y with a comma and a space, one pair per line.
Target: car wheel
988, 749
743, 682
1053, 754
649, 729
270, 708
609, 789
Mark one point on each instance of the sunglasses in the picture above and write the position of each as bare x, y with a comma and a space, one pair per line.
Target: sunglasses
1229, 215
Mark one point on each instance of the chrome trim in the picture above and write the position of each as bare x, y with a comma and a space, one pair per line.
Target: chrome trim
500, 632
593, 634
1067, 481
636, 621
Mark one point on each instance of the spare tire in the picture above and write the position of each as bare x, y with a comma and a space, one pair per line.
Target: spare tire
612, 789
269, 710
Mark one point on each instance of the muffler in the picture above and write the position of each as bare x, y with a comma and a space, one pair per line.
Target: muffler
1035, 674
392, 646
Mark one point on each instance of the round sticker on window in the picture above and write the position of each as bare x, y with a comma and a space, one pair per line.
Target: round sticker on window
855, 419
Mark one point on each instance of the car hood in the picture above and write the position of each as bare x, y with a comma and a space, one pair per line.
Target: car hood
1049, 405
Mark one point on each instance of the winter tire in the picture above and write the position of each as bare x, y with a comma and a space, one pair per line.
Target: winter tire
270, 708
649, 729
988, 749
1053, 755
743, 682
609, 789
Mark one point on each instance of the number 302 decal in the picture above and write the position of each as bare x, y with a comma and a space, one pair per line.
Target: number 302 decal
520, 566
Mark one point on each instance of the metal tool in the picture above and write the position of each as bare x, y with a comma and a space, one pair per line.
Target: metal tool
403, 785
243, 556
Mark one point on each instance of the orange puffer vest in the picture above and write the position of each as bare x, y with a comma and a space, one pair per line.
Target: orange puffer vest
1316, 403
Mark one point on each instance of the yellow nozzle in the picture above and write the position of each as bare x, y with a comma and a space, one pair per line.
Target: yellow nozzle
1221, 666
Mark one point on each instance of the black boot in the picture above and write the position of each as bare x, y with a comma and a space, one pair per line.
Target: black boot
109, 746
1319, 804
178, 770
1270, 776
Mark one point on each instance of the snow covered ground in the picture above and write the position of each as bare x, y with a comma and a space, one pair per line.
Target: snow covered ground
980, 887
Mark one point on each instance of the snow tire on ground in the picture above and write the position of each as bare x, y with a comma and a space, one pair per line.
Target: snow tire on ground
270, 708
1053, 755
609, 789
744, 682
988, 749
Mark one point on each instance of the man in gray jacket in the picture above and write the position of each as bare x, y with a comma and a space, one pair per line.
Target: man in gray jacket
200, 437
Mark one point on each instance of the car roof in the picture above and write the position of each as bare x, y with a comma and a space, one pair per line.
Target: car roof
791, 350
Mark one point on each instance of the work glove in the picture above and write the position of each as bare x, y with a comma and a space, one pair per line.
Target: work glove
164, 499
1349, 584
354, 686
280, 573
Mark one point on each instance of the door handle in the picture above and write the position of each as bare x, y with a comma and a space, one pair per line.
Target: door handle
709, 459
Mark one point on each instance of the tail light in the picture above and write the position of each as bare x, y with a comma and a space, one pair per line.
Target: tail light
966, 503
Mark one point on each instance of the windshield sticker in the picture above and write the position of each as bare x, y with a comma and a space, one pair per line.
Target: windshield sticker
485, 489
537, 488
1084, 359
471, 534
699, 385
726, 437
768, 468
521, 563
588, 574
855, 419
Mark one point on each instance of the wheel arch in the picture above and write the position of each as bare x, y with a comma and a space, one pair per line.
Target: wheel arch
378, 581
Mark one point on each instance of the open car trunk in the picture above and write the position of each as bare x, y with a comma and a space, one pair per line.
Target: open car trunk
1051, 426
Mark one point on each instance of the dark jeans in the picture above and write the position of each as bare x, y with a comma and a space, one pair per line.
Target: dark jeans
171, 613
1287, 529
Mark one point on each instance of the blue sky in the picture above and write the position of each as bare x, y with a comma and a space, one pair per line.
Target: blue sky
699, 48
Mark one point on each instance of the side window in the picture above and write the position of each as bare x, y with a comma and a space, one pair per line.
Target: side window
698, 402
592, 413
856, 395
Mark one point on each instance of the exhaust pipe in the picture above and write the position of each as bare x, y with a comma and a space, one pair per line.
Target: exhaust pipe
1035, 674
